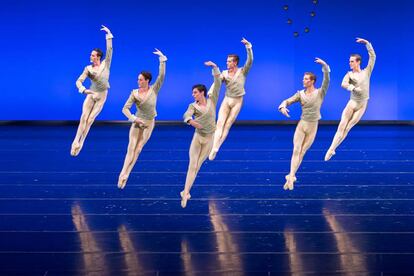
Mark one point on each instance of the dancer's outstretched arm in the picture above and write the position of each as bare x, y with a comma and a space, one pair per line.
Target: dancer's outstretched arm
213, 92
249, 60
371, 53
109, 49
326, 76
161, 71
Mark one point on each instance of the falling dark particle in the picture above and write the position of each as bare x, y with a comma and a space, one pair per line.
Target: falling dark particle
307, 30
289, 21
315, 2
312, 13
295, 34
285, 7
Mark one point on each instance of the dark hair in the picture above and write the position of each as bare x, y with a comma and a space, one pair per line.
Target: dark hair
99, 52
357, 57
312, 76
201, 88
147, 75
235, 58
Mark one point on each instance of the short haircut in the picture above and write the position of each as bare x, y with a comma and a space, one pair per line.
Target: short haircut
99, 52
312, 76
201, 88
357, 57
147, 75
234, 57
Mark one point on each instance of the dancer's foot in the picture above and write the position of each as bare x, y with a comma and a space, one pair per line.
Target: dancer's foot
122, 181
74, 151
184, 198
329, 154
213, 154
290, 180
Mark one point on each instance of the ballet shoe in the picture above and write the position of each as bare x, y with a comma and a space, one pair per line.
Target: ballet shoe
212, 154
74, 151
329, 154
184, 199
79, 149
122, 182
289, 182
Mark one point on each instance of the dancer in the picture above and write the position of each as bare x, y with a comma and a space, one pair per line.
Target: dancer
95, 99
311, 100
145, 99
234, 79
202, 116
357, 82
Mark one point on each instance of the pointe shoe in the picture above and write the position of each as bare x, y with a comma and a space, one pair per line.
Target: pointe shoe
329, 154
289, 182
122, 182
213, 154
184, 199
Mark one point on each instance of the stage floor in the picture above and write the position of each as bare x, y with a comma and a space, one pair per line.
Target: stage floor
62, 215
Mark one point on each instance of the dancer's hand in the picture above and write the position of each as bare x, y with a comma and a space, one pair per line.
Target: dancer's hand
105, 29
320, 61
245, 42
210, 63
361, 40
284, 111
195, 124
158, 53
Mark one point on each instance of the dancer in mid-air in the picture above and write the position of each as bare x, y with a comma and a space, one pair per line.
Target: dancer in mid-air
98, 73
311, 100
145, 99
357, 82
234, 78
201, 114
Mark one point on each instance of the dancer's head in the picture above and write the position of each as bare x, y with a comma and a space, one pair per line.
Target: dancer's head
309, 79
96, 55
232, 61
199, 92
355, 62
144, 79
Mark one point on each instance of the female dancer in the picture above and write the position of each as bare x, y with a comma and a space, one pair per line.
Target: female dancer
202, 116
98, 73
311, 100
145, 99
357, 82
234, 78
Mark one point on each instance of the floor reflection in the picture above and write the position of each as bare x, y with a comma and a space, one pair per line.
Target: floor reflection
229, 257
186, 258
133, 264
93, 257
296, 264
351, 259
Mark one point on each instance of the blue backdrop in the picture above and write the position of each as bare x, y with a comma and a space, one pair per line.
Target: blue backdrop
46, 44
